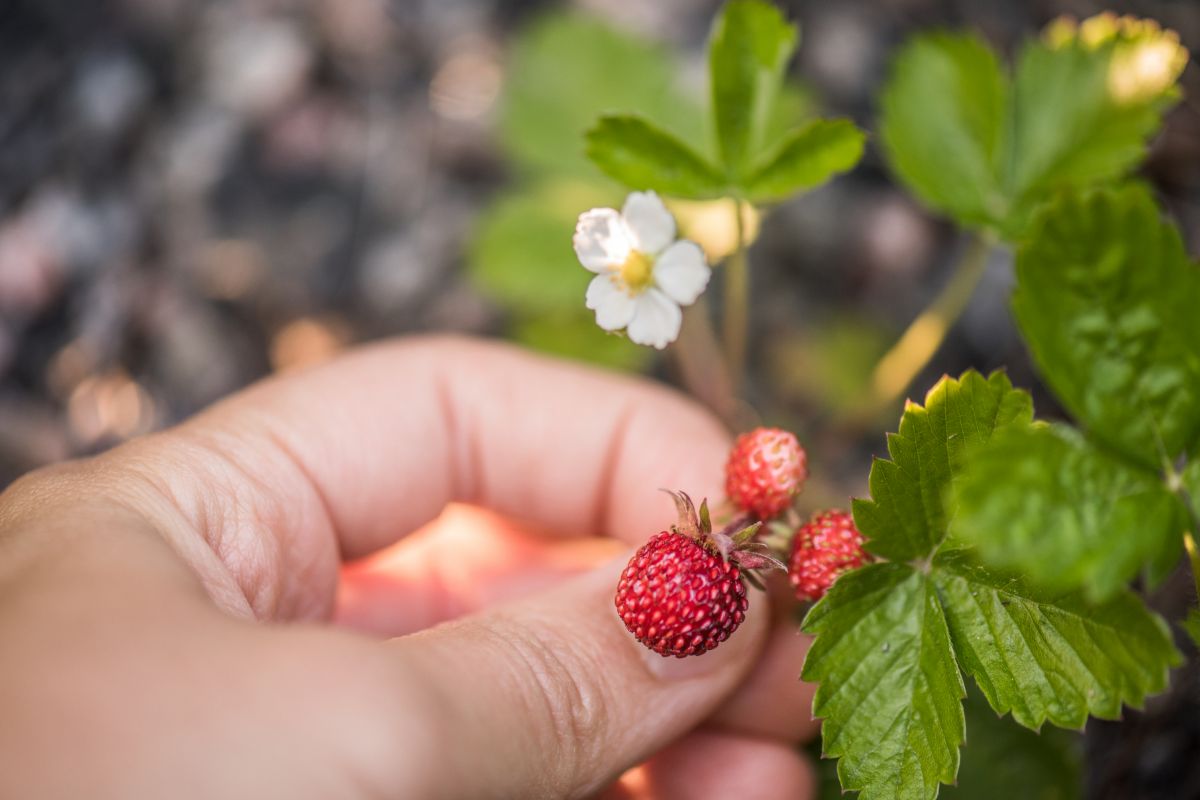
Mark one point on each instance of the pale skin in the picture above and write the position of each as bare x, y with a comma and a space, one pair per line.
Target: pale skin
217, 611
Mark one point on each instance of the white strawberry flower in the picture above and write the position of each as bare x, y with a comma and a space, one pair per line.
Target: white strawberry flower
643, 275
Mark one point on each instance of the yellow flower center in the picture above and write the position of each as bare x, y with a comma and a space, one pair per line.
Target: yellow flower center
637, 273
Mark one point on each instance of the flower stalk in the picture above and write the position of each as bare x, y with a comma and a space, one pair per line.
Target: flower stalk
737, 302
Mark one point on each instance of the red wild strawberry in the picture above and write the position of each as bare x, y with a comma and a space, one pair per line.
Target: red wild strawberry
765, 470
682, 593
825, 547
679, 598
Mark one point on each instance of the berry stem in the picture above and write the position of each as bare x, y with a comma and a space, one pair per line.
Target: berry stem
737, 300
701, 365
912, 351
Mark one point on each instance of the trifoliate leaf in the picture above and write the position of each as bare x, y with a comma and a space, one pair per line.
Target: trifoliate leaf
943, 123
1046, 502
1001, 760
564, 70
1051, 657
890, 690
906, 517
988, 150
635, 153
1110, 306
749, 47
805, 158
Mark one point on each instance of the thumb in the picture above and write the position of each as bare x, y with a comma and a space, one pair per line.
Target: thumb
552, 697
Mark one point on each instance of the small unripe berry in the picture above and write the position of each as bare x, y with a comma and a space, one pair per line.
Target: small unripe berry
766, 469
825, 547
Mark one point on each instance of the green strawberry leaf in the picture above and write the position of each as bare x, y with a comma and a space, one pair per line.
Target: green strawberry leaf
1046, 502
1107, 301
805, 158
890, 637
890, 690
906, 518
640, 156
987, 149
564, 70
748, 49
942, 121
1046, 656
1002, 760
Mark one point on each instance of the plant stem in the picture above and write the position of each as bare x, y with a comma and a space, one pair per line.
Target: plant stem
702, 367
896, 370
737, 301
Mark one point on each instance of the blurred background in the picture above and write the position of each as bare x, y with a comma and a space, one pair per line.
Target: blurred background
197, 194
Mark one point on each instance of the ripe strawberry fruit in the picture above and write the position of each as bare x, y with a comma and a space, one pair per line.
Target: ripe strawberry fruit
682, 593
824, 548
766, 469
679, 598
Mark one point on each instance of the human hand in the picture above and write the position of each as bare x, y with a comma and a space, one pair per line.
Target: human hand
211, 612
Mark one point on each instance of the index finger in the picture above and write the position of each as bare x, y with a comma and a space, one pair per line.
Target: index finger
363, 450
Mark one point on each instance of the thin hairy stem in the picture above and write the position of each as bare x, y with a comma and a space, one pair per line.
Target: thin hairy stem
737, 301
701, 365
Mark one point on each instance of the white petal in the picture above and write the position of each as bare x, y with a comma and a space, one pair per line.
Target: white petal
656, 320
601, 239
652, 226
681, 272
613, 306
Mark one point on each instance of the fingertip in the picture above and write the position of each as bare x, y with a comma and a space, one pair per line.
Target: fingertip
772, 701
571, 698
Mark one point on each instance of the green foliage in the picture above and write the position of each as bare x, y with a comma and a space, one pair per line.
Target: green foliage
1047, 502
1002, 760
907, 517
639, 155
1046, 656
890, 691
806, 158
1110, 307
564, 70
1106, 298
762, 156
942, 124
892, 637
750, 45
1010, 543
987, 149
